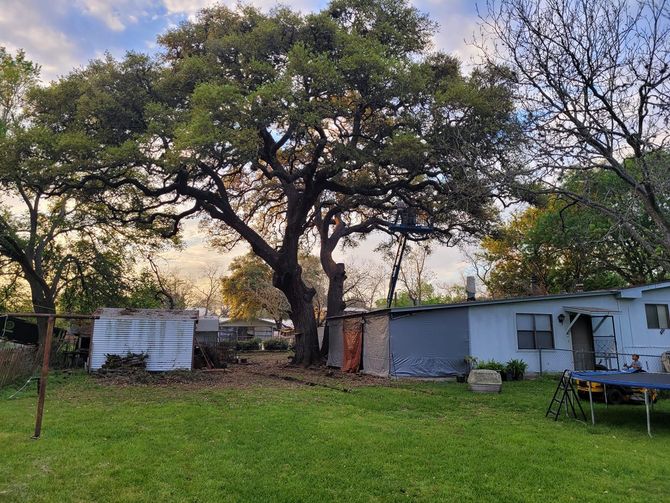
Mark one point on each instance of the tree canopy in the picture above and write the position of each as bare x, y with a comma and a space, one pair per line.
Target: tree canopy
561, 245
67, 247
593, 84
257, 120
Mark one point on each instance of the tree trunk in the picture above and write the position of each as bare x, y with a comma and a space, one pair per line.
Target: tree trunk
300, 298
335, 303
42, 302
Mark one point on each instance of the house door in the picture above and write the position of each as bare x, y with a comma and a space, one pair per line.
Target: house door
582, 343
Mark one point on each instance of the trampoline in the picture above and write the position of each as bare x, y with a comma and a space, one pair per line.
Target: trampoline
629, 379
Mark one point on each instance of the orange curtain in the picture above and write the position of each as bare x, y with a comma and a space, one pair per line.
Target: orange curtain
352, 344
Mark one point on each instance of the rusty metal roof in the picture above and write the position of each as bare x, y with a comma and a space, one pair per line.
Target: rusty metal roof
151, 314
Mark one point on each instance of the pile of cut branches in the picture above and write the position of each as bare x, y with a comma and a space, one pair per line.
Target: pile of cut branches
130, 363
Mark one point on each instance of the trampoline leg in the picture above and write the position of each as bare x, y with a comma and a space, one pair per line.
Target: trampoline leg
646, 404
593, 417
605, 394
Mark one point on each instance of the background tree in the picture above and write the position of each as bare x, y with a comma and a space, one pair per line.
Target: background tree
563, 245
366, 283
208, 291
17, 76
14, 296
66, 249
248, 291
170, 288
593, 86
414, 277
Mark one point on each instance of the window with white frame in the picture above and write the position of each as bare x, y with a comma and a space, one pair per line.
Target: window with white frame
657, 315
534, 331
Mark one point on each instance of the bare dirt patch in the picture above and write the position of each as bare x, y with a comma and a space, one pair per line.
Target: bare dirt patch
263, 369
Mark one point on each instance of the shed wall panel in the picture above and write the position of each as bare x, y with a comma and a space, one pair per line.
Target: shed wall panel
376, 345
169, 343
335, 343
430, 343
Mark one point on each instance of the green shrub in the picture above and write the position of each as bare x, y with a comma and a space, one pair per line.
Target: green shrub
248, 344
276, 344
517, 368
491, 365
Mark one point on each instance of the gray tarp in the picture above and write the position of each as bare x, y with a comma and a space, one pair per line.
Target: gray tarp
376, 345
430, 343
335, 343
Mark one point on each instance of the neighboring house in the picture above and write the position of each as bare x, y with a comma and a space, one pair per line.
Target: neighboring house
579, 330
165, 335
231, 330
207, 330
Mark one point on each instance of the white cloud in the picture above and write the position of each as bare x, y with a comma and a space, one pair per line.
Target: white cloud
456, 37
43, 43
116, 14
187, 7
191, 7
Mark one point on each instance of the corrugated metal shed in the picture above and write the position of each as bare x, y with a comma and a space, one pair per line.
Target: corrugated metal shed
165, 335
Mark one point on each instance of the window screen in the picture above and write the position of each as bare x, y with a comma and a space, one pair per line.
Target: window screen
657, 315
534, 331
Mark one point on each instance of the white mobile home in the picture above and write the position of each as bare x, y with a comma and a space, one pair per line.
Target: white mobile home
232, 330
582, 330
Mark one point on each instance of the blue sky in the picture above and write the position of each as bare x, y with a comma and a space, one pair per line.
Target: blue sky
63, 34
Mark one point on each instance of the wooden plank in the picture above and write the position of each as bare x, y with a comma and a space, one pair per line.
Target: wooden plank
44, 375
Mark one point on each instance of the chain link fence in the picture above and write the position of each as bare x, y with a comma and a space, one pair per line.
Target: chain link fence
557, 360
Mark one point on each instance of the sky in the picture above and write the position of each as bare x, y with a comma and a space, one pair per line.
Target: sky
61, 35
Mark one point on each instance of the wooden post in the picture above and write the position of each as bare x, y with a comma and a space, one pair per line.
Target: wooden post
43, 376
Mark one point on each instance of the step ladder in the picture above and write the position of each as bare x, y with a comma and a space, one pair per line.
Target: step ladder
565, 397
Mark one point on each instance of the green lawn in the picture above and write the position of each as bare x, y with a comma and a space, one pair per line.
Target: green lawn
411, 442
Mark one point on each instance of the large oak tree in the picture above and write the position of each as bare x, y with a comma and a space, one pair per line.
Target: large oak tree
255, 119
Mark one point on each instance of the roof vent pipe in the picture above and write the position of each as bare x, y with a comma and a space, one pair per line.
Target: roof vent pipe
470, 288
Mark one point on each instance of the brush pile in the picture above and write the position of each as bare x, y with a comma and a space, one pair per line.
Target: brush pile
131, 363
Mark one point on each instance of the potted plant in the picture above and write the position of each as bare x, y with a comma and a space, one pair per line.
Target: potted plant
516, 369
470, 363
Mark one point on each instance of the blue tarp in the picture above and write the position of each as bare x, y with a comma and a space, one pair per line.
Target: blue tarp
430, 344
649, 380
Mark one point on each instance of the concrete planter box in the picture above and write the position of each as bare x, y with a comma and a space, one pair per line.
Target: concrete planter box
484, 381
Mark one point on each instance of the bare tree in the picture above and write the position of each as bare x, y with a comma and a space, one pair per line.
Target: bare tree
366, 283
174, 291
594, 88
414, 275
208, 290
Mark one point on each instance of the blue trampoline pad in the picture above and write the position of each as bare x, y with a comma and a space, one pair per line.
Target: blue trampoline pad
647, 380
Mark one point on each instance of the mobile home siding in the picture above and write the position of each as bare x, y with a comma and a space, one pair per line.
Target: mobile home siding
638, 338
493, 331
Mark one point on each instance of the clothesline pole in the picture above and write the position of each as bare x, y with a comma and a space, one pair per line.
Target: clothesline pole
51, 320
